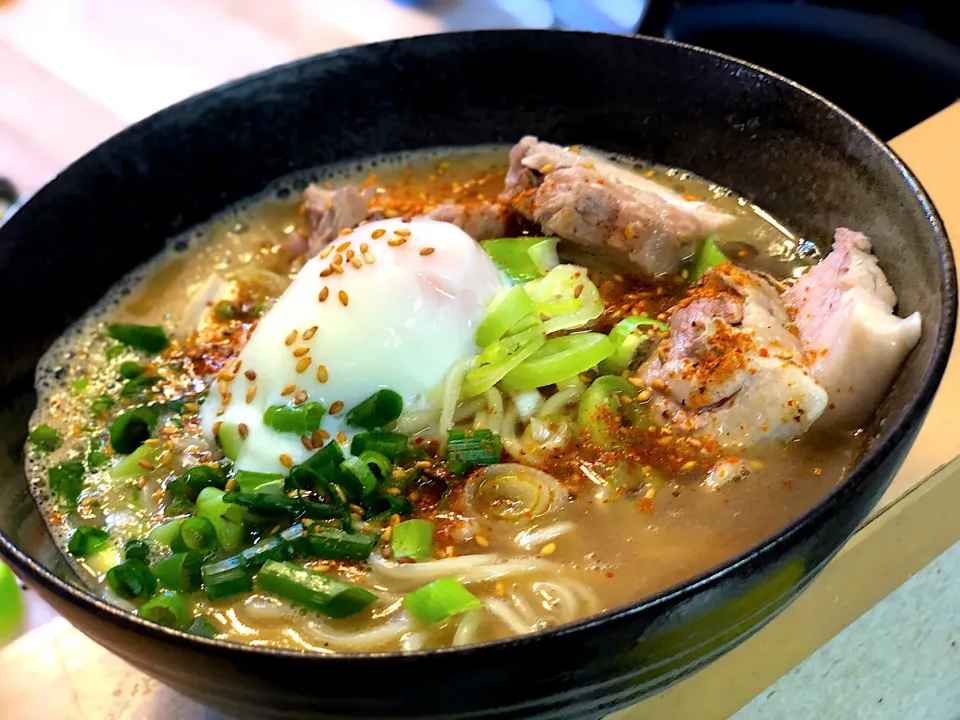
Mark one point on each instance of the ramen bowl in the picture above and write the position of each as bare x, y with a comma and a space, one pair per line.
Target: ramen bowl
774, 142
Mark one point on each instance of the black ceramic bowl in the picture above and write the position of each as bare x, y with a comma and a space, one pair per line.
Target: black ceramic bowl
799, 157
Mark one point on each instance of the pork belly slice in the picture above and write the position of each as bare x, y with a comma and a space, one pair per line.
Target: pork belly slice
481, 222
583, 198
331, 211
328, 212
730, 369
843, 308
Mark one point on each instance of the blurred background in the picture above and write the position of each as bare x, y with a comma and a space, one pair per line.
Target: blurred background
73, 72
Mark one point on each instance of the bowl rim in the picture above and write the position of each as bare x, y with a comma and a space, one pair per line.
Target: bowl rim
913, 411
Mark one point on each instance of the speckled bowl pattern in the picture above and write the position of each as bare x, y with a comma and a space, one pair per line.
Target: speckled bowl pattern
771, 140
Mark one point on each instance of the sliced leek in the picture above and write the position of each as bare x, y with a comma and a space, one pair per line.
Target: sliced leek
632, 342
566, 298
557, 360
513, 307
500, 358
524, 258
708, 256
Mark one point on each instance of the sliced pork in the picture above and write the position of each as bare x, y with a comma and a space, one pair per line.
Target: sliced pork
585, 199
731, 367
481, 222
855, 343
331, 211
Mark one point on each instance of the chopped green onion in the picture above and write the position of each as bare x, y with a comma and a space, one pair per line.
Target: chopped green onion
234, 574
321, 471
228, 577
501, 316
258, 482
180, 571
381, 408
227, 518
330, 454
524, 258
130, 369
136, 550
130, 466
103, 559
412, 539
100, 405
196, 533
66, 481
78, 386
212, 505
168, 608
349, 484
97, 457
290, 418
87, 540
559, 359
203, 627
194, 480
149, 338
140, 387
225, 466
401, 478
631, 343
466, 449
273, 548
361, 472
334, 544
178, 506
599, 408
389, 444
378, 464
114, 351
165, 533
131, 428
224, 310
315, 591
230, 439
278, 547
336, 485
175, 406
499, 359
440, 600
708, 256
319, 511
383, 505
131, 580
44, 437
265, 505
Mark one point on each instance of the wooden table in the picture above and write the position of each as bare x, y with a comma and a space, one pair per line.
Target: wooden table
74, 72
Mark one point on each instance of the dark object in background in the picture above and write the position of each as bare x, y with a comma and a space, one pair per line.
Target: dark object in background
8, 195
886, 70
805, 162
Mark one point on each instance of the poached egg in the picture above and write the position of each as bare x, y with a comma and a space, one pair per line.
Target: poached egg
391, 305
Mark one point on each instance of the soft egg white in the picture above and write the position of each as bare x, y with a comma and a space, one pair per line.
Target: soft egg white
398, 321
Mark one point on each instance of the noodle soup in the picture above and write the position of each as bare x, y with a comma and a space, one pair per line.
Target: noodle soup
447, 398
